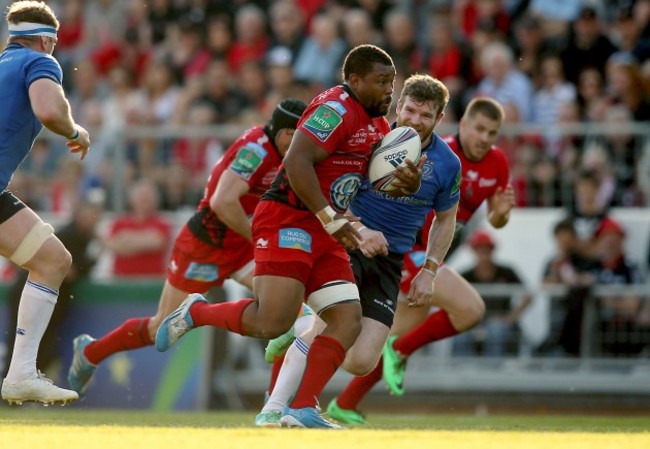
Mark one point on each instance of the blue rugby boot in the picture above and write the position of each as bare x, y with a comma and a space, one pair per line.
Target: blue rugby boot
308, 417
81, 370
177, 323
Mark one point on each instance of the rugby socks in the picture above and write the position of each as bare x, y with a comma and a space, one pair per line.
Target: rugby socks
37, 303
132, 334
359, 387
275, 371
226, 315
436, 327
324, 358
295, 360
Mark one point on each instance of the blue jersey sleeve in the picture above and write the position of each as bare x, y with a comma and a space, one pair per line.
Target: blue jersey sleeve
450, 193
44, 66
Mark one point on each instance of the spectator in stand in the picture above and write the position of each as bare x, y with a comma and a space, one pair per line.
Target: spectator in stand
139, 239
587, 45
251, 40
591, 90
358, 28
219, 37
503, 81
254, 86
187, 53
321, 55
569, 268
473, 14
589, 213
221, 93
552, 93
624, 318
625, 85
446, 58
628, 33
399, 37
530, 44
555, 15
497, 334
287, 22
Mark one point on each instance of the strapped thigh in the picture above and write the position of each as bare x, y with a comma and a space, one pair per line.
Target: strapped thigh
31, 243
332, 293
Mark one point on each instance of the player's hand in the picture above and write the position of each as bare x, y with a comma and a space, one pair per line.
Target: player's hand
504, 200
407, 179
347, 235
80, 144
373, 243
422, 289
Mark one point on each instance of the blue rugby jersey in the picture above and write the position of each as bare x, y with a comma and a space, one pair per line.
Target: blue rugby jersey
400, 219
19, 68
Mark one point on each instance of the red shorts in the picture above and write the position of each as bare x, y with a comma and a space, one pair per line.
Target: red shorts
196, 266
292, 243
413, 261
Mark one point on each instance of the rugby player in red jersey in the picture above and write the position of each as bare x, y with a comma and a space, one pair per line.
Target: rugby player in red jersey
213, 246
300, 233
485, 176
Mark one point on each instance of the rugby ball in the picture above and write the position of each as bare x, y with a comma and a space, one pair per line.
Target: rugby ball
398, 145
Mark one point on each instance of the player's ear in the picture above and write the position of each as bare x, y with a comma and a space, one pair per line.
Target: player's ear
439, 119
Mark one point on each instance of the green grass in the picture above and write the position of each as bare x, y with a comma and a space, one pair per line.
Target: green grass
34, 415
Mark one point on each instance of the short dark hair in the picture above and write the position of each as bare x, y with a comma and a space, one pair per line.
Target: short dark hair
564, 225
32, 11
423, 88
361, 58
487, 106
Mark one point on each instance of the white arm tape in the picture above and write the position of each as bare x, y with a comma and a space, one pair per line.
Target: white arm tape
330, 224
332, 293
31, 243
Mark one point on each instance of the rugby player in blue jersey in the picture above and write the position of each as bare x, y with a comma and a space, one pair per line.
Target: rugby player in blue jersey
388, 227
32, 97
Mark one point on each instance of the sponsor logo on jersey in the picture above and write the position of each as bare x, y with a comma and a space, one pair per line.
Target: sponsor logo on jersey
248, 160
343, 189
338, 107
295, 238
472, 175
20, 331
323, 121
482, 182
456, 189
203, 272
262, 243
173, 266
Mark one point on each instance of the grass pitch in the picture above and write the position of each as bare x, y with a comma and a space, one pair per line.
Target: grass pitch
56, 428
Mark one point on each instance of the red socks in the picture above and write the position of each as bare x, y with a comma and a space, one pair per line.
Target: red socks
132, 334
226, 315
323, 359
358, 387
436, 327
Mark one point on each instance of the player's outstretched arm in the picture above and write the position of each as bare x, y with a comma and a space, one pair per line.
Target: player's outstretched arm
299, 163
440, 237
52, 109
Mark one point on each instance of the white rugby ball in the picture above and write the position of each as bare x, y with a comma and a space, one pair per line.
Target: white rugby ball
398, 145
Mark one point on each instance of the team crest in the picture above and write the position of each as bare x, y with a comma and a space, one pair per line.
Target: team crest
343, 189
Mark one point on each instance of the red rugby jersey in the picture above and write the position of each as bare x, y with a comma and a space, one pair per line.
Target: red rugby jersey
338, 123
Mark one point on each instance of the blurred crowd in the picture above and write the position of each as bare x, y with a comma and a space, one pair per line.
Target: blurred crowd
191, 63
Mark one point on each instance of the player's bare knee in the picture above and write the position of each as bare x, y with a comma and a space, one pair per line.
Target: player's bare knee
359, 364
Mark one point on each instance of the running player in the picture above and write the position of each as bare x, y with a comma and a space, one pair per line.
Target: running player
301, 234
32, 97
213, 246
485, 177
395, 220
